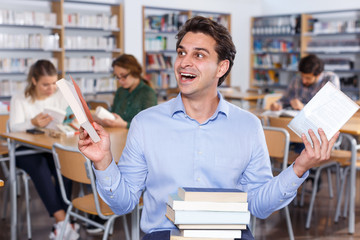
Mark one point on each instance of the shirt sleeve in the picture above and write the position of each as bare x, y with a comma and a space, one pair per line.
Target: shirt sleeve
267, 194
18, 120
121, 185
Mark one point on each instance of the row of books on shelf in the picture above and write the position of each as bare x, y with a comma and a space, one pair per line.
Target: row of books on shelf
11, 65
32, 41
169, 22
279, 25
158, 61
27, 18
90, 42
162, 80
352, 45
96, 85
219, 18
208, 212
88, 85
269, 76
88, 64
274, 45
290, 61
332, 64
102, 21
157, 43
334, 26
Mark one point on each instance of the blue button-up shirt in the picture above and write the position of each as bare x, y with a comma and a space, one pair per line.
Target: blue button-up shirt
166, 149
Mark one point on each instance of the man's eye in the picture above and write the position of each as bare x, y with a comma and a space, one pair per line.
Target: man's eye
199, 55
181, 53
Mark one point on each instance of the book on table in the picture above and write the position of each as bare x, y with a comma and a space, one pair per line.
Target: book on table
212, 226
329, 109
212, 194
74, 98
177, 203
207, 217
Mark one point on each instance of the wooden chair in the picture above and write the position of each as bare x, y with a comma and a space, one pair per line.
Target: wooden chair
282, 122
344, 158
70, 163
278, 141
95, 103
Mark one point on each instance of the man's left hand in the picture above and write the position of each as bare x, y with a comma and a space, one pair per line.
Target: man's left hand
315, 155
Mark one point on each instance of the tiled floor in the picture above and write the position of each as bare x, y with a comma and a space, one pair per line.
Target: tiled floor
323, 226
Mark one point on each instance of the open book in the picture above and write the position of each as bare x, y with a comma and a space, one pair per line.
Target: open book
329, 109
57, 114
74, 98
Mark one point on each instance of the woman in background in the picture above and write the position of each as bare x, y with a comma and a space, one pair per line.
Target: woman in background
26, 111
134, 94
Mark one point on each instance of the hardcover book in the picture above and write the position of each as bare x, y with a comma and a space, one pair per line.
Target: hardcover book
212, 194
207, 217
179, 204
74, 98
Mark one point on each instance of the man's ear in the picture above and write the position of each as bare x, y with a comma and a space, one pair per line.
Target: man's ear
222, 68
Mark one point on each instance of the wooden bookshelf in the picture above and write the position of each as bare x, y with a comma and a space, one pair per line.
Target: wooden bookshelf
97, 57
160, 26
333, 35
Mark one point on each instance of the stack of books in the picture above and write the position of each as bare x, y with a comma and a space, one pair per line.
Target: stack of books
208, 213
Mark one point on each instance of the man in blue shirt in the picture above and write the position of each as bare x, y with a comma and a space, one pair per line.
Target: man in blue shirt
196, 140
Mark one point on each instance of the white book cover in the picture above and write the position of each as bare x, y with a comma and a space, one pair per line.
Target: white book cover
212, 233
57, 114
329, 109
178, 204
79, 108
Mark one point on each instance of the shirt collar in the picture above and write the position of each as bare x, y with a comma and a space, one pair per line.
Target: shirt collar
177, 106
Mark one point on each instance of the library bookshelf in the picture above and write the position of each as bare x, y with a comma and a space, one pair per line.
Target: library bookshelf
81, 38
160, 26
279, 41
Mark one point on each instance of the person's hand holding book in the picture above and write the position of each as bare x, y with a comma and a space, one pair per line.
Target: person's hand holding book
41, 120
315, 154
99, 153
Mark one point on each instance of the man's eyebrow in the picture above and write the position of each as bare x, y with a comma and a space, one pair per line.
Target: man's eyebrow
197, 49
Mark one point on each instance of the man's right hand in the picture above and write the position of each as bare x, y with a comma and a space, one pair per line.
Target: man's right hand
296, 104
99, 153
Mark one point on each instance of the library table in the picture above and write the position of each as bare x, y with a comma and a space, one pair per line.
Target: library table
251, 97
44, 142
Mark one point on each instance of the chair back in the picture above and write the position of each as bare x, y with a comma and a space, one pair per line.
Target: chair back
282, 122
3, 120
278, 142
93, 104
71, 164
269, 99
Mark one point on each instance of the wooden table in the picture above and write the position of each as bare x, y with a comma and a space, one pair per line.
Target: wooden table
44, 142
251, 97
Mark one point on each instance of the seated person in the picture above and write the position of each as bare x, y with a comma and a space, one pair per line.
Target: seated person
304, 86
26, 111
134, 94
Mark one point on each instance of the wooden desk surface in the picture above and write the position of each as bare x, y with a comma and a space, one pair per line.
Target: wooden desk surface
117, 138
247, 96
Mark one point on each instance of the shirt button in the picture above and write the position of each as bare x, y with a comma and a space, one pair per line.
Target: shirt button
198, 179
107, 178
294, 184
199, 152
111, 196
